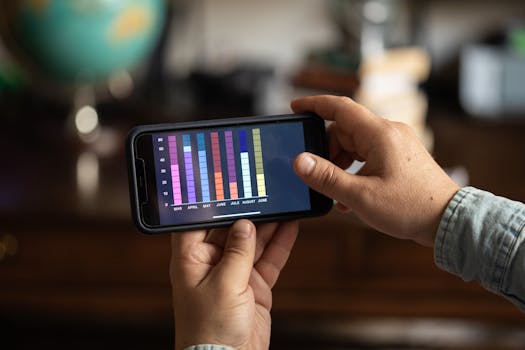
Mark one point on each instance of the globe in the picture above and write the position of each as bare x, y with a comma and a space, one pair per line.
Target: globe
80, 40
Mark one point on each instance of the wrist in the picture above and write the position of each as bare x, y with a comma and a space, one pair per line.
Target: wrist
189, 334
185, 339
443, 200
208, 347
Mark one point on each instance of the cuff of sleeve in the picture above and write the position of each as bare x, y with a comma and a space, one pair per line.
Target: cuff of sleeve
209, 347
446, 243
478, 238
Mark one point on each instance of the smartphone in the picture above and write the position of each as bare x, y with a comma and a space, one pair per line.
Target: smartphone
205, 174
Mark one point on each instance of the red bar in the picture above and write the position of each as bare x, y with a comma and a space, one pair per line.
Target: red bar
216, 152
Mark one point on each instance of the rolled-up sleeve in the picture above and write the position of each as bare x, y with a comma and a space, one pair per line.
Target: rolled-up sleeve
481, 237
208, 347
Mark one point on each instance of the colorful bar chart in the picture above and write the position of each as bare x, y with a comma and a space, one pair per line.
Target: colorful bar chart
188, 163
245, 165
230, 159
259, 167
175, 172
209, 162
217, 171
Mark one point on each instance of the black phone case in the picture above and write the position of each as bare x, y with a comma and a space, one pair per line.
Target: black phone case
132, 175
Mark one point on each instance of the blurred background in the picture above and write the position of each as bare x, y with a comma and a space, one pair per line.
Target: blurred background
76, 75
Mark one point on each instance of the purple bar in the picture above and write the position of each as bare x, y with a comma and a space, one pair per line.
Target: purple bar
232, 176
188, 162
175, 176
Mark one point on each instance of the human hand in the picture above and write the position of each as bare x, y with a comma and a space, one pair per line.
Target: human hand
400, 190
222, 281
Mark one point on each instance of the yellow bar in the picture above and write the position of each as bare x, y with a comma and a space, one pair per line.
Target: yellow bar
259, 168
261, 187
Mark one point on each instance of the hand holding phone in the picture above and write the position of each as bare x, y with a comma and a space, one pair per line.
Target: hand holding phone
210, 173
225, 296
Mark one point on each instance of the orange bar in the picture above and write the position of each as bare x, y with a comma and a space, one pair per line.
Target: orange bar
233, 190
218, 186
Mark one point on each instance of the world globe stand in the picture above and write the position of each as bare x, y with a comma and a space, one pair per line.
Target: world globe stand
83, 119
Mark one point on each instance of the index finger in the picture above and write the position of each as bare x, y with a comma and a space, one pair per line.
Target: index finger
358, 127
341, 109
328, 107
277, 252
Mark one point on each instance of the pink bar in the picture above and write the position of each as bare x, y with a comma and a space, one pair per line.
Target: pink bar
175, 175
175, 180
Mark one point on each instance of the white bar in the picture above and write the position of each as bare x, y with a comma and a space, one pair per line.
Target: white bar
234, 215
245, 168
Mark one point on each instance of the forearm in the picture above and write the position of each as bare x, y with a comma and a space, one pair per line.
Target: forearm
481, 237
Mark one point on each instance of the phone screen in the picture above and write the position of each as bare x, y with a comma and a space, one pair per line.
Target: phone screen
205, 174
223, 173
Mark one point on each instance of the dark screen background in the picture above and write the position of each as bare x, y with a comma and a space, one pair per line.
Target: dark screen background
280, 144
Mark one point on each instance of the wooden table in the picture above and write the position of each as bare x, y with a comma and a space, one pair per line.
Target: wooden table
79, 259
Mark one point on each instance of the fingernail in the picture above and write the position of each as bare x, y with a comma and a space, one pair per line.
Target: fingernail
306, 164
242, 229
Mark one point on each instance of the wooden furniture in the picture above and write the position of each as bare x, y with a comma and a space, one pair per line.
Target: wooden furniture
74, 257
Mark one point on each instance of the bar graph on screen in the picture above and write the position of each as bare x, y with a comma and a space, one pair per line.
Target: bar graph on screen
216, 166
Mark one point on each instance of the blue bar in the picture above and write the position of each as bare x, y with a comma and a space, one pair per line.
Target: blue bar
242, 141
190, 180
200, 142
186, 140
203, 166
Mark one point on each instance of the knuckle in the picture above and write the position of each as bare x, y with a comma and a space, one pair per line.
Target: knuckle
327, 177
270, 270
367, 194
235, 251
344, 99
403, 128
393, 132
345, 103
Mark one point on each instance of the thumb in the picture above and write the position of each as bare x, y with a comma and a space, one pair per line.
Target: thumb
235, 266
325, 177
